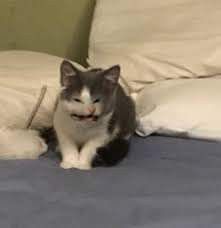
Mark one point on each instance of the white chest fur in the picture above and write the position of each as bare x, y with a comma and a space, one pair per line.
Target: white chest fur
79, 140
80, 131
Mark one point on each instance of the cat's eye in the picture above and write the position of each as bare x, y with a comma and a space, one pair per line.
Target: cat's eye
77, 100
96, 100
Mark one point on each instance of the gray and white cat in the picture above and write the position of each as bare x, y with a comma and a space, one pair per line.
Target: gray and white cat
94, 118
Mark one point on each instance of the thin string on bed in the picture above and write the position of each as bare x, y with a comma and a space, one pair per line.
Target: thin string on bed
36, 107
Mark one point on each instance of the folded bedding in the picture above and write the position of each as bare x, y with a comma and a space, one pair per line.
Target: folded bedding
187, 107
157, 40
182, 107
165, 182
24, 75
29, 84
163, 47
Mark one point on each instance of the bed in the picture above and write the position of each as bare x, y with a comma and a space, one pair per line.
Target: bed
165, 182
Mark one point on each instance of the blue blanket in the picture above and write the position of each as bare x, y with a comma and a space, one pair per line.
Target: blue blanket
165, 183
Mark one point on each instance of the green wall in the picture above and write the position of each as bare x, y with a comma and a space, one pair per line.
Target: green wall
59, 27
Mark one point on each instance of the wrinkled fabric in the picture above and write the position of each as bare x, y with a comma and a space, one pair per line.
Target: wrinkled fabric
165, 182
188, 107
22, 76
156, 40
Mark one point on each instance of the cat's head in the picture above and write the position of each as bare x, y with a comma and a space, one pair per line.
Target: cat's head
87, 95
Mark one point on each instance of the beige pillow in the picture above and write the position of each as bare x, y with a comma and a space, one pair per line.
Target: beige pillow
24, 78
155, 40
23, 74
183, 107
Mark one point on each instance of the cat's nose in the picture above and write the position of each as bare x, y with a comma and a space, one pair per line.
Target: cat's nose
91, 110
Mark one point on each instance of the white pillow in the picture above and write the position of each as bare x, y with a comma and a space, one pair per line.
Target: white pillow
187, 107
22, 76
154, 40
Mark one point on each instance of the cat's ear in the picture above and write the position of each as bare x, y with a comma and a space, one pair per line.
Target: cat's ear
112, 75
68, 71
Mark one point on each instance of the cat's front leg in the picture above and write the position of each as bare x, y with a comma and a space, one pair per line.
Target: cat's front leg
88, 152
70, 158
69, 152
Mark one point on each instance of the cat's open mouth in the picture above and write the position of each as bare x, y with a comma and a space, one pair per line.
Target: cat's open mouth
83, 117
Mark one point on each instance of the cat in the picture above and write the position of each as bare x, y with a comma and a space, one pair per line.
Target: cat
94, 118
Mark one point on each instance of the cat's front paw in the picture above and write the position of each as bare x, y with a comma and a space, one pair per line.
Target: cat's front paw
69, 164
66, 165
84, 166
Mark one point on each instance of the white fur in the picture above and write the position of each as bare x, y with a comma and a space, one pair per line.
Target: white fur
89, 149
72, 135
20, 144
85, 96
134, 96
